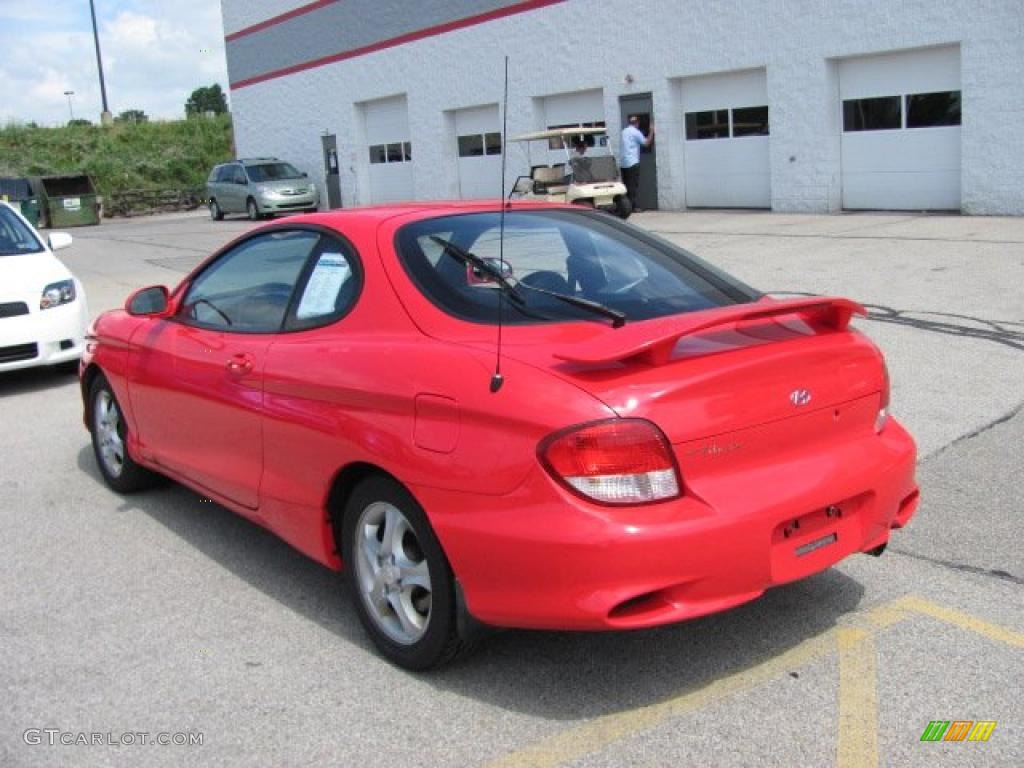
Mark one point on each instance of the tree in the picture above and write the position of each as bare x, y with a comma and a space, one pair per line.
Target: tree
209, 98
132, 116
77, 121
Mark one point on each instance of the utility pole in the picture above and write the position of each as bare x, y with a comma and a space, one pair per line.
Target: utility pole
105, 117
71, 111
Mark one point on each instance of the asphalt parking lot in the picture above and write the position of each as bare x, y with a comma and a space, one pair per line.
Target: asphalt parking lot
162, 613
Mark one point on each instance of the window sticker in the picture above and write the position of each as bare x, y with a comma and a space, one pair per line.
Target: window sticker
329, 275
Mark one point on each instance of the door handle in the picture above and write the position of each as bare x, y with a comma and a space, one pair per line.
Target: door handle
239, 364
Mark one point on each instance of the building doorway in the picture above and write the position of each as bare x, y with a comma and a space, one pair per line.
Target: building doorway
642, 105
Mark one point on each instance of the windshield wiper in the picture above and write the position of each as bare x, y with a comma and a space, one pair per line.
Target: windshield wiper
618, 318
475, 261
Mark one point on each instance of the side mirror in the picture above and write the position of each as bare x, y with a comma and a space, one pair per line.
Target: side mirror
148, 301
305, 175
58, 240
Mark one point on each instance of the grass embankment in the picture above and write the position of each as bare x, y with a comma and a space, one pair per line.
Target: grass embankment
162, 155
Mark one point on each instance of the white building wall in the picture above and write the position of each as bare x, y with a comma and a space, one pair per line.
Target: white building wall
657, 43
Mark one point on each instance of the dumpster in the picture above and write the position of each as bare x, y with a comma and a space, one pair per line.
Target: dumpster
18, 191
68, 200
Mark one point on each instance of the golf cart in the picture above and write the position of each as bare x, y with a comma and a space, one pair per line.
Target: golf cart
591, 179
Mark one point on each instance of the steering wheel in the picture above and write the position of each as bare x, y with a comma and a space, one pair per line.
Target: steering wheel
212, 306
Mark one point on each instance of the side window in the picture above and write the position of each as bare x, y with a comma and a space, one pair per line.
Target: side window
329, 291
240, 175
249, 288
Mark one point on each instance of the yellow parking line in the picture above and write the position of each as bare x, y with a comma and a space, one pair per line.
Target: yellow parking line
962, 620
596, 734
857, 744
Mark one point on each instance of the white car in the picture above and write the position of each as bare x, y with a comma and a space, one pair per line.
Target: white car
43, 314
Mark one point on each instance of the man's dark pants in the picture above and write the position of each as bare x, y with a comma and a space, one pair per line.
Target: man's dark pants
631, 178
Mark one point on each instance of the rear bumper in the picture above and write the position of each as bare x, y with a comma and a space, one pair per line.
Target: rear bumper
542, 558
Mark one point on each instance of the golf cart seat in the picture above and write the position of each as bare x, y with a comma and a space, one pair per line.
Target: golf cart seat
549, 180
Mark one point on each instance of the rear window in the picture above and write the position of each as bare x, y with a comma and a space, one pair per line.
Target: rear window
15, 236
577, 253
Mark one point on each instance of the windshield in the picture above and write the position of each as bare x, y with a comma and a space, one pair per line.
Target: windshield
582, 254
272, 172
590, 170
15, 236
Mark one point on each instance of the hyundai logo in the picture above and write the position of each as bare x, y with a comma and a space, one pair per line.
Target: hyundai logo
800, 397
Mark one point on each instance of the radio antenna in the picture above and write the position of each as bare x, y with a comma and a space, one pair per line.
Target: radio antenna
497, 379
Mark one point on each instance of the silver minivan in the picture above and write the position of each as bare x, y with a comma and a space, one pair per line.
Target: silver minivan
259, 186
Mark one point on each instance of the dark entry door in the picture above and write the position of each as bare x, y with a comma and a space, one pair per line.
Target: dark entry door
330, 145
641, 105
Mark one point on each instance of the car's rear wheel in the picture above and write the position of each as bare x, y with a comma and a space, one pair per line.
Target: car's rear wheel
110, 442
623, 207
402, 584
215, 212
253, 210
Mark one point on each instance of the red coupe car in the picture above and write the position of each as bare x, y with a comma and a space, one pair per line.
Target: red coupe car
538, 417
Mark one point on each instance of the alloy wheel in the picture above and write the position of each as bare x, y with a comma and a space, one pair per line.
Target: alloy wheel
109, 434
392, 574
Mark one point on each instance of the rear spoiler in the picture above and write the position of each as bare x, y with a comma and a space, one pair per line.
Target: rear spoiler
653, 341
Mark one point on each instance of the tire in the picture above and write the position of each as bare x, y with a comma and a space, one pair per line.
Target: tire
215, 212
110, 442
414, 625
623, 207
252, 209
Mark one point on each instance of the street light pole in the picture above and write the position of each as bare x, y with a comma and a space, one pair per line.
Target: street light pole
105, 117
71, 111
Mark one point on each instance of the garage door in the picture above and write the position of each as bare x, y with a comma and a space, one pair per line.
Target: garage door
726, 140
901, 130
569, 110
387, 134
478, 136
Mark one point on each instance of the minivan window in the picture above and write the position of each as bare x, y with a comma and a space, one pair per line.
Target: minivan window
273, 172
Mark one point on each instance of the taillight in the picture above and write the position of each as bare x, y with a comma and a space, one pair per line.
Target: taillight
883, 408
619, 461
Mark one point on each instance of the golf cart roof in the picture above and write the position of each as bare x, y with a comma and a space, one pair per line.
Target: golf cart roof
557, 133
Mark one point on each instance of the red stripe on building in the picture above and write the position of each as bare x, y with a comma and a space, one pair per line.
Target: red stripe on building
409, 37
274, 21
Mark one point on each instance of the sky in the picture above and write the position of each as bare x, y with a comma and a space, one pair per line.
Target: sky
155, 53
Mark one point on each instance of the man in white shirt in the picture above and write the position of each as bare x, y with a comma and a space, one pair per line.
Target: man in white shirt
629, 156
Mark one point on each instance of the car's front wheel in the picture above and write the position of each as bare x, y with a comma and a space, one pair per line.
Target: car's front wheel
401, 581
253, 210
110, 442
215, 212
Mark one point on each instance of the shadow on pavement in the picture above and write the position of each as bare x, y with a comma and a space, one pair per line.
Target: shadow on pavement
39, 379
555, 675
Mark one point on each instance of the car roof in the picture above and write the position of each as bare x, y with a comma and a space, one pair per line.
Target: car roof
413, 210
558, 133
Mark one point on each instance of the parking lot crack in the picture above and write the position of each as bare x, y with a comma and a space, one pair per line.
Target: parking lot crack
1011, 414
992, 573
